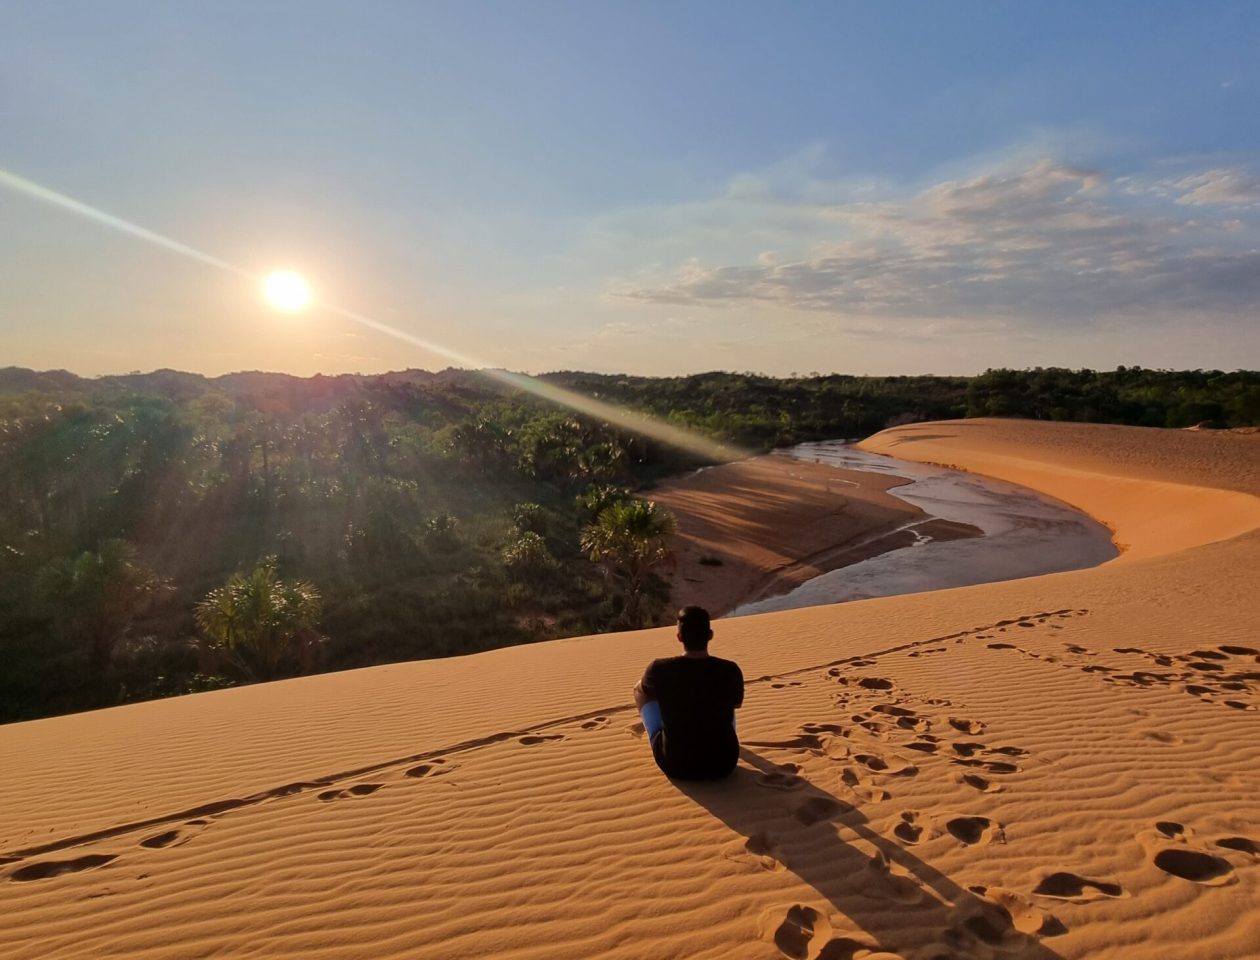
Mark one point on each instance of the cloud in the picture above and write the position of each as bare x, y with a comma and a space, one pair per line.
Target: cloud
1219, 186
1048, 243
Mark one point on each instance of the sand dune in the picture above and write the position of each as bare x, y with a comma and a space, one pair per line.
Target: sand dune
1066, 766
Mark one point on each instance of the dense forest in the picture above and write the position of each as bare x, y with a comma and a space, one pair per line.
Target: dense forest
164, 533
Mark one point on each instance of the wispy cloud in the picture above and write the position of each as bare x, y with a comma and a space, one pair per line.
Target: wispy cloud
1219, 186
1046, 243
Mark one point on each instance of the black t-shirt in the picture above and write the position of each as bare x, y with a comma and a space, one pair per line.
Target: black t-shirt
698, 697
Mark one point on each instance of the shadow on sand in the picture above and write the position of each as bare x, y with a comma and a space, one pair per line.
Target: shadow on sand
892, 900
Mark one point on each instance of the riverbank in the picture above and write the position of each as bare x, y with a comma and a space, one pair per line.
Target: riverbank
762, 527
1025, 534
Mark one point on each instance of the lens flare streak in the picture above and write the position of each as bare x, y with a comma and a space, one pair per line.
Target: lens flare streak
628, 420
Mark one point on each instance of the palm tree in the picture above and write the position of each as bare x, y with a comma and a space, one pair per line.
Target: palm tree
264, 625
95, 598
629, 538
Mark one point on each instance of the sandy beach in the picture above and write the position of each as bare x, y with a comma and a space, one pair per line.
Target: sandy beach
1064, 766
758, 528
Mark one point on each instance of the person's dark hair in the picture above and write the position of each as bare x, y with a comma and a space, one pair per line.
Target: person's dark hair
694, 629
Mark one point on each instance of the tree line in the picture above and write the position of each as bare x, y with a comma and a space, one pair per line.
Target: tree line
166, 533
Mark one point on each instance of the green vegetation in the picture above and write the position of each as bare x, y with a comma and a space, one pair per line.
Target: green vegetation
262, 626
167, 533
629, 538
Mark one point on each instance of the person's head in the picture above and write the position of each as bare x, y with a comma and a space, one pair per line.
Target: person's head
693, 628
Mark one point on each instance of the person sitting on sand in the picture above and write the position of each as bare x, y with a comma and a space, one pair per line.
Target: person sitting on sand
688, 705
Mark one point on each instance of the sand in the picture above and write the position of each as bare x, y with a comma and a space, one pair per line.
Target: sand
760, 528
1065, 766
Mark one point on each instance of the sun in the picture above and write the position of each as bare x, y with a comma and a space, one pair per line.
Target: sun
286, 290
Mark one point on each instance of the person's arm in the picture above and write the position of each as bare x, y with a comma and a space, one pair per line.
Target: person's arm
738, 686
644, 690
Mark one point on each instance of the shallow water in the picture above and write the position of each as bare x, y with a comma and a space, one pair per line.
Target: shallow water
1026, 534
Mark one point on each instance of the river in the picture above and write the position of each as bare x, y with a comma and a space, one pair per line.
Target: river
1026, 534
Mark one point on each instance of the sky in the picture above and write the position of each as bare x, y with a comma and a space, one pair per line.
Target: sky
641, 187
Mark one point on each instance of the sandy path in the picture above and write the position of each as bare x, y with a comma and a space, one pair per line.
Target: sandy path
1066, 766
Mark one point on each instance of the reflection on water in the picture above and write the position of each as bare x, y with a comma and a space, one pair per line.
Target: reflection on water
1025, 535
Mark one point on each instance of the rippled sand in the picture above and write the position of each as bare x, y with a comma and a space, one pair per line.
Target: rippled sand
1062, 766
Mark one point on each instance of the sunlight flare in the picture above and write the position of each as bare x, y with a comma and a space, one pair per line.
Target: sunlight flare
289, 291
286, 290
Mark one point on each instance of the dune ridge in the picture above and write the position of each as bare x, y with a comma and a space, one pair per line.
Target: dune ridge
1064, 766
1149, 515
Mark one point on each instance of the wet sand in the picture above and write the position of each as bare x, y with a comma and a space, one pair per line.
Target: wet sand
762, 527
1025, 534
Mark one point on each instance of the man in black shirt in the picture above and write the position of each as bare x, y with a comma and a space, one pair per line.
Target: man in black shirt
688, 705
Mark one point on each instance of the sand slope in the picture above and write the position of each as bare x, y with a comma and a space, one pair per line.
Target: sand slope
1066, 766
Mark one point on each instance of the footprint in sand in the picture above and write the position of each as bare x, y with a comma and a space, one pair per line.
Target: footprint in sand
174, 837
923, 746
971, 727
1008, 751
1241, 844
890, 881
1162, 736
595, 723
759, 850
783, 684
816, 728
1020, 912
1238, 651
801, 931
1003, 917
56, 868
636, 729
861, 787
433, 768
875, 683
873, 727
980, 783
533, 738
966, 749
1195, 866
893, 766
803, 741
785, 778
1205, 667
848, 948
805, 933
905, 719
908, 830
990, 766
1062, 885
975, 830
358, 790
893, 710
817, 809
1171, 829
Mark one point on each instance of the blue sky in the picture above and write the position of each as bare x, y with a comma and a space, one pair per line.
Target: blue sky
640, 187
